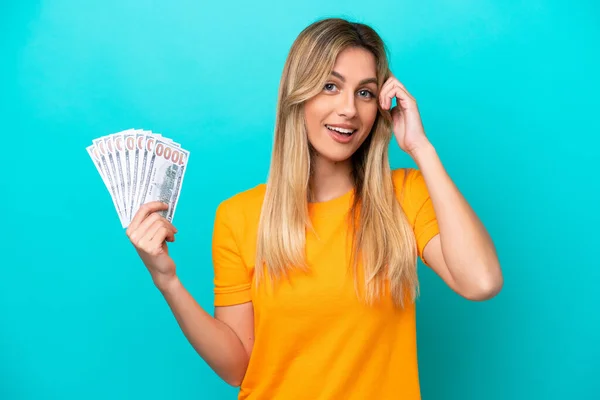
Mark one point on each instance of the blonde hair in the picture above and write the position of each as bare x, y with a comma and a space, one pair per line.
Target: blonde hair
382, 238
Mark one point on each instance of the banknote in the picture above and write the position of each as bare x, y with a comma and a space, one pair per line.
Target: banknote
166, 175
100, 164
138, 166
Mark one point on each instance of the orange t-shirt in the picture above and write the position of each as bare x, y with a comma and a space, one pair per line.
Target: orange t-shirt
314, 339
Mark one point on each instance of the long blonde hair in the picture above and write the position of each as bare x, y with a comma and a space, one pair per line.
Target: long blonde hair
383, 240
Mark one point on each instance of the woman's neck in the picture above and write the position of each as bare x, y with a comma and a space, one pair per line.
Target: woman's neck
330, 180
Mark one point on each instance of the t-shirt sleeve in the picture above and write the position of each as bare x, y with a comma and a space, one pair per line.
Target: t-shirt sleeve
231, 279
425, 223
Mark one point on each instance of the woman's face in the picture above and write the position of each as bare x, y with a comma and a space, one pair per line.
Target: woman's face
339, 119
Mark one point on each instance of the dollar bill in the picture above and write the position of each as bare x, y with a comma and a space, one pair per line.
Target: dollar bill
100, 164
120, 161
138, 166
106, 146
140, 139
147, 164
129, 153
165, 180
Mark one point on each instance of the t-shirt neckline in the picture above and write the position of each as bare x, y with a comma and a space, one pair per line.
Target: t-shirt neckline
337, 204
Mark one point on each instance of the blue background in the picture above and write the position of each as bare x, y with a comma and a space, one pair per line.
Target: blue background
508, 92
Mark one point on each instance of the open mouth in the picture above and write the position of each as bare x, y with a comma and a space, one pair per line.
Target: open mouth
341, 131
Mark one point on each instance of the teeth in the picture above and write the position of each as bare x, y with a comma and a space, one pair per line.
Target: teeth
340, 130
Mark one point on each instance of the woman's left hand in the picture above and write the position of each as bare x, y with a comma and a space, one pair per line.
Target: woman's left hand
407, 124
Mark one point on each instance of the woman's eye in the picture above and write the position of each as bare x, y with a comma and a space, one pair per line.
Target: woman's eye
329, 86
365, 93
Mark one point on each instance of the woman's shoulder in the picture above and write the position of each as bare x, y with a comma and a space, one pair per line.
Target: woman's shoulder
409, 186
404, 177
246, 201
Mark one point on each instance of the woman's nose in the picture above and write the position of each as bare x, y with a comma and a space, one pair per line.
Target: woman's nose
346, 105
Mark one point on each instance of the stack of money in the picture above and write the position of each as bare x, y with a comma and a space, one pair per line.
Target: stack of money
137, 167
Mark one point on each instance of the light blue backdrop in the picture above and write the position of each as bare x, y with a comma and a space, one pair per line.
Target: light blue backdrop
509, 96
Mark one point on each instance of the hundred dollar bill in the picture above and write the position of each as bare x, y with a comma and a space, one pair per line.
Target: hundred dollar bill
138, 166
166, 176
106, 146
120, 155
147, 161
136, 154
98, 155
145, 147
127, 158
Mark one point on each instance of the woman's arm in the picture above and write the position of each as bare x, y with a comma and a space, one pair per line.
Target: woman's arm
224, 342
463, 253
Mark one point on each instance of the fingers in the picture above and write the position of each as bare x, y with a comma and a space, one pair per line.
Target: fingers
393, 88
391, 91
148, 229
143, 212
384, 94
155, 235
155, 245
143, 227
405, 93
156, 230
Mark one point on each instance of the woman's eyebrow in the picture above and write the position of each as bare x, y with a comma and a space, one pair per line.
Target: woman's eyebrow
363, 82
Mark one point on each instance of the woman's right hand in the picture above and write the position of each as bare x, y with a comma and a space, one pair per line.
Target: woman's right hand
149, 233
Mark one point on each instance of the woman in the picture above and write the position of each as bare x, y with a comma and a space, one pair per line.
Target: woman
330, 312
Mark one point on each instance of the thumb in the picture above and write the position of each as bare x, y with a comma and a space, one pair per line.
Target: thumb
170, 236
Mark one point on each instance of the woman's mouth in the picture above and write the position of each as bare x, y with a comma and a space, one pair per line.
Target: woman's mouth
342, 131
340, 135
